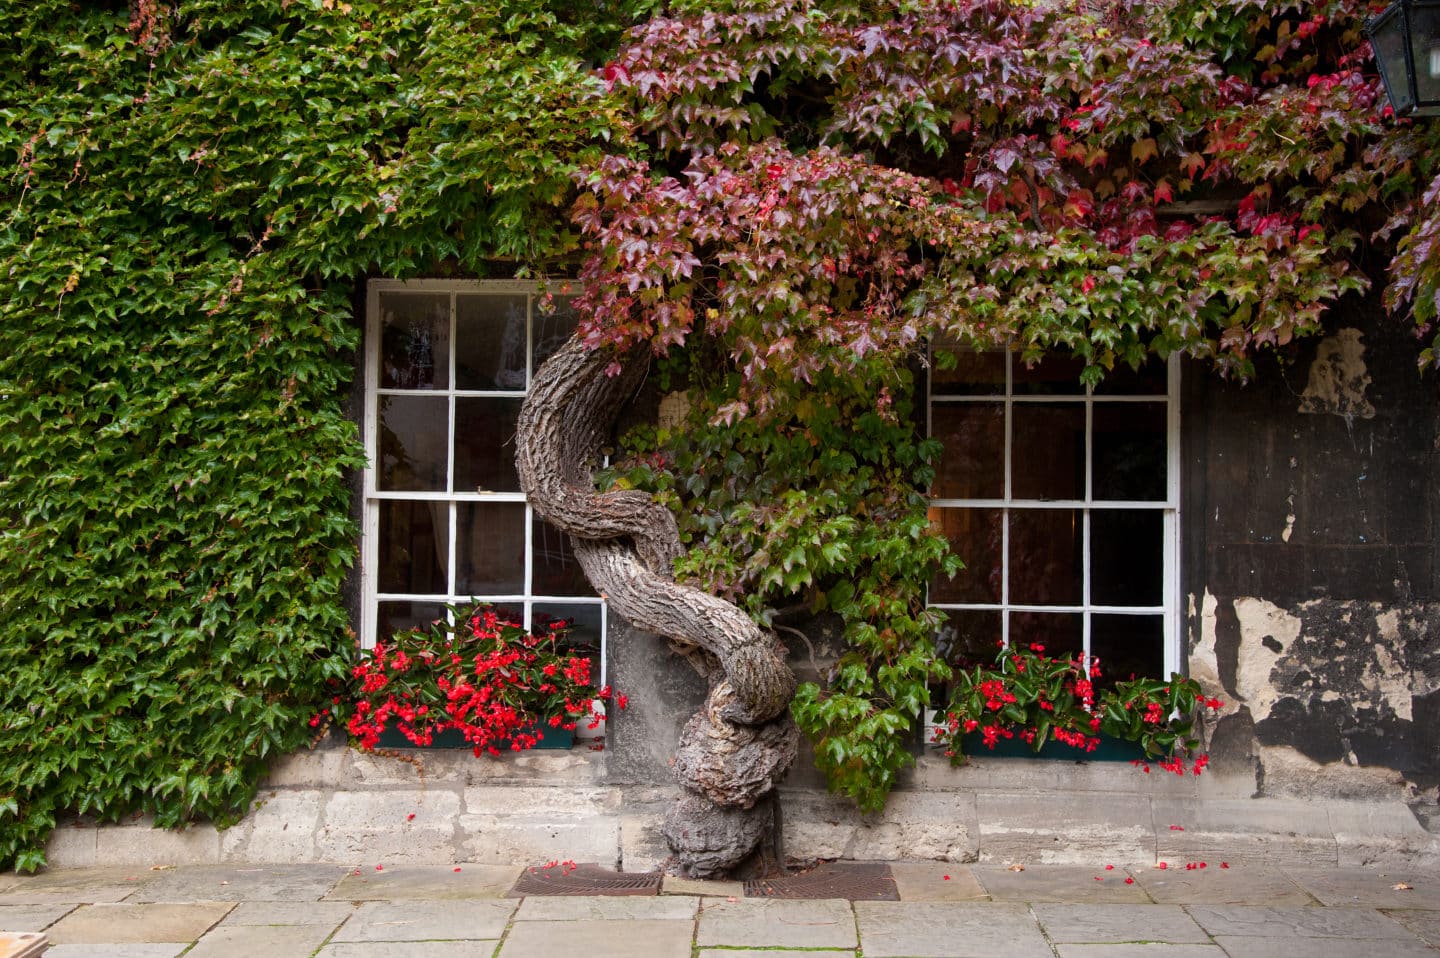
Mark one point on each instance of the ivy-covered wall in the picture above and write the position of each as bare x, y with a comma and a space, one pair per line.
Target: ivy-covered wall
190, 193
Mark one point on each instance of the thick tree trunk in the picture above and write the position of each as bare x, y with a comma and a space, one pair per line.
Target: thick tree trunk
734, 750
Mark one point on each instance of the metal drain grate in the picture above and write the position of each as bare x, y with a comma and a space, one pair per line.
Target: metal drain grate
584, 880
852, 881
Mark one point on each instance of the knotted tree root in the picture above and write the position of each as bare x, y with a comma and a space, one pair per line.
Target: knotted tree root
734, 751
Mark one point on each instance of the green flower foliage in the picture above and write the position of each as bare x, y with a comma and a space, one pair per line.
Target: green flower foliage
190, 194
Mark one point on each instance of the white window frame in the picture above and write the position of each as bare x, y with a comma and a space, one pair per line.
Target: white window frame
373, 496
1169, 608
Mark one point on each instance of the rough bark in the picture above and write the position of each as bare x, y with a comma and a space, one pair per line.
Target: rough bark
735, 750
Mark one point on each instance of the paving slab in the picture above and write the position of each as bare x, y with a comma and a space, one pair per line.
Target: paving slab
31, 917
1032, 827
935, 881
891, 929
595, 939
77, 886
118, 924
407, 949
1426, 924
1339, 922
1112, 924
242, 883
607, 908
1059, 883
1240, 947
1221, 886
427, 882
775, 953
330, 913
776, 923
272, 941
1140, 950
1374, 888
170, 950
705, 888
427, 920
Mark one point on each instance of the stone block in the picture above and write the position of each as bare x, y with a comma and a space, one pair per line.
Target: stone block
776, 923
932, 881
75, 886
426, 882
949, 930
1242, 885
141, 844
126, 923
72, 846
673, 885
642, 847
984, 772
938, 826
492, 839
325, 767
281, 827
1038, 828
242, 882
1059, 883
372, 827
1270, 832
1379, 834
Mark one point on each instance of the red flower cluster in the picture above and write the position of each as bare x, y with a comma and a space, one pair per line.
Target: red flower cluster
485, 677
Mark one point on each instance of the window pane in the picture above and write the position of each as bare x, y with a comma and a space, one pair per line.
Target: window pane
1129, 646
974, 536
552, 329
412, 443
1048, 455
972, 465
414, 341
974, 373
485, 444
582, 619
1130, 451
555, 570
1045, 566
1060, 632
491, 548
414, 547
490, 342
969, 638
1051, 376
1127, 557
1151, 379
402, 616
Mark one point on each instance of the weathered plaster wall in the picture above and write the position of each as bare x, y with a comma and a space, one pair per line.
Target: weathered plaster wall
1310, 565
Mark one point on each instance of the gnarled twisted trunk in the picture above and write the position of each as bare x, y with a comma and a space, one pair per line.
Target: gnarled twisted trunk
737, 747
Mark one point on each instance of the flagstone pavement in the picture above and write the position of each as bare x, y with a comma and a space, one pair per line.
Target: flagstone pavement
944, 911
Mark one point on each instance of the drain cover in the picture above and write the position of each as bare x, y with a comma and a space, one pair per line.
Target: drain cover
584, 880
853, 881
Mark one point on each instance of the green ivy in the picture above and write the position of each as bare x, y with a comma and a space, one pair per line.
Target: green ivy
190, 195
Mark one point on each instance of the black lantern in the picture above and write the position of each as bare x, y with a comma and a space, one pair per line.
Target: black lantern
1406, 40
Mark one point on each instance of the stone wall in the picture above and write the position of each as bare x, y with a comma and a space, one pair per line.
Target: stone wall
1309, 563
